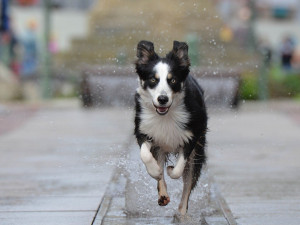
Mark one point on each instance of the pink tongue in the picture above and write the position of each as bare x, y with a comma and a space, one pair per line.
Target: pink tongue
162, 109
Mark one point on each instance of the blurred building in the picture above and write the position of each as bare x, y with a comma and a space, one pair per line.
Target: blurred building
278, 19
69, 18
116, 26
278, 9
269, 23
62, 4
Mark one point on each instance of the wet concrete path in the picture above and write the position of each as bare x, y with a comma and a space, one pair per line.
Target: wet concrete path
54, 167
254, 156
65, 165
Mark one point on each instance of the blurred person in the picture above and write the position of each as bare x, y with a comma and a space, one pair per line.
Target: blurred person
53, 45
30, 51
14, 50
286, 52
85, 92
4, 18
9, 53
296, 58
4, 47
266, 52
225, 8
4, 32
226, 34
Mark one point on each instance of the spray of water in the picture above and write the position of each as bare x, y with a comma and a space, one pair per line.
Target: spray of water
141, 190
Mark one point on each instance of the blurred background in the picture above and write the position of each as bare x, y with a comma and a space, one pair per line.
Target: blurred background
58, 160
65, 49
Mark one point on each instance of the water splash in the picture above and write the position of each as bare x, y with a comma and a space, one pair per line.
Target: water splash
141, 190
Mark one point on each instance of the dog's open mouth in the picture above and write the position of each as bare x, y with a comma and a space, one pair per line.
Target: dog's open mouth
162, 110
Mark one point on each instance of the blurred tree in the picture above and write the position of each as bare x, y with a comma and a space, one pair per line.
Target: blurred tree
46, 73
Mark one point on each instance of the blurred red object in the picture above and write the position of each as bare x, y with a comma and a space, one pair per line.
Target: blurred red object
27, 2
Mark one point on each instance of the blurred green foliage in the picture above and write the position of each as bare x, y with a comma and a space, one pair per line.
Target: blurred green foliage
249, 86
282, 84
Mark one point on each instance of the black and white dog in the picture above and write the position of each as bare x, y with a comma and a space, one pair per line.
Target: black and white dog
170, 118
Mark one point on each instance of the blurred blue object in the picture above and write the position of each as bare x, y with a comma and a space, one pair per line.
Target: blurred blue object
29, 64
281, 12
4, 19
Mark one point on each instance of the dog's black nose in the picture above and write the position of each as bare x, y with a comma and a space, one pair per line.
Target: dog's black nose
162, 99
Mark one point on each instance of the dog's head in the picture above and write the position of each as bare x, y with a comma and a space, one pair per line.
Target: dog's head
162, 78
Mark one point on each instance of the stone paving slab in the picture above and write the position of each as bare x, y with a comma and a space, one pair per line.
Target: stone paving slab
254, 156
13, 116
46, 217
37, 204
55, 168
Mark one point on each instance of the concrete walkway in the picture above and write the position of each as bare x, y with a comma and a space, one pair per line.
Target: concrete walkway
254, 155
55, 166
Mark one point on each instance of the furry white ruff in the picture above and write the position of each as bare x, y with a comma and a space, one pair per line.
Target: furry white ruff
168, 131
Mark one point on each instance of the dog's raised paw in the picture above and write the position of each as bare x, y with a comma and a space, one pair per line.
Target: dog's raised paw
163, 200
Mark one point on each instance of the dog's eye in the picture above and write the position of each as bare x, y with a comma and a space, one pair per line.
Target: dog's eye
153, 80
173, 81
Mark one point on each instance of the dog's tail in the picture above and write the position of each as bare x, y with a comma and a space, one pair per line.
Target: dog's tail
198, 160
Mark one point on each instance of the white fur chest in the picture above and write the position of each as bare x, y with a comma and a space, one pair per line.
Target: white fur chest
168, 131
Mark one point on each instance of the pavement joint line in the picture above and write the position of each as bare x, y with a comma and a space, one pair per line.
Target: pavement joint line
223, 205
106, 201
102, 210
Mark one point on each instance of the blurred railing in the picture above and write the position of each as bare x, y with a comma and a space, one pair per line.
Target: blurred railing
115, 86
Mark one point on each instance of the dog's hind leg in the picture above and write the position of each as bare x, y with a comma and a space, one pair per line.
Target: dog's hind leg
191, 175
163, 197
187, 186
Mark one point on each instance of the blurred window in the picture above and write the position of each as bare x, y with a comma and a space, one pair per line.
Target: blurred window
281, 13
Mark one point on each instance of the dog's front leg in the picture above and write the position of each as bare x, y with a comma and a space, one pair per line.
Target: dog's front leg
150, 162
176, 172
163, 197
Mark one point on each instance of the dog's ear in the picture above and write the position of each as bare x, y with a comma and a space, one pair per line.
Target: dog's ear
145, 52
180, 52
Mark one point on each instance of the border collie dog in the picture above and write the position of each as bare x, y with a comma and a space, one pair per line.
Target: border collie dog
170, 118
